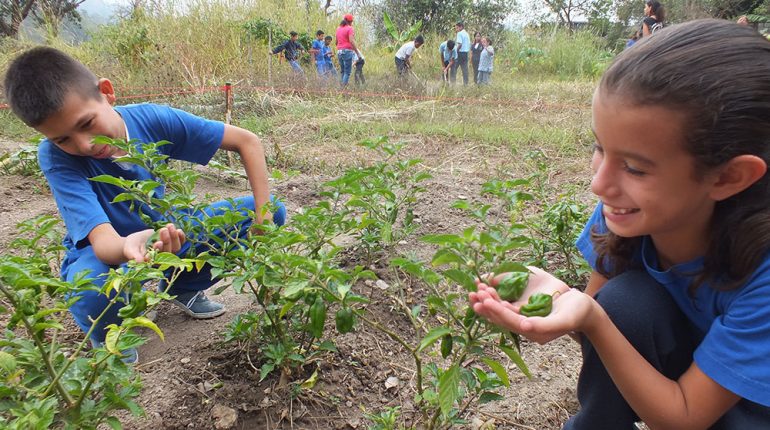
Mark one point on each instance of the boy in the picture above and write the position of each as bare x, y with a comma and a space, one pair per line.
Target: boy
448, 55
463, 42
292, 50
405, 53
329, 70
318, 55
60, 98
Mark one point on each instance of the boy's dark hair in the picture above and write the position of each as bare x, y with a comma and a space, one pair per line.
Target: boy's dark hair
450, 44
460, 24
292, 33
328, 38
419, 39
38, 80
718, 73
319, 32
489, 41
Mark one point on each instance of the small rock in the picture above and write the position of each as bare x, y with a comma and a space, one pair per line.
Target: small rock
185, 360
417, 220
462, 196
381, 284
369, 283
224, 417
402, 242
349, 404
354, 422
391, 382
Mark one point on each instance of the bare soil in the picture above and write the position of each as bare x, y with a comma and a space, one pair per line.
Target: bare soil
194, 381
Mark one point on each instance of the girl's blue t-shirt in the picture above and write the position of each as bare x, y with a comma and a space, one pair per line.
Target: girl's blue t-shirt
84, 204
735, 348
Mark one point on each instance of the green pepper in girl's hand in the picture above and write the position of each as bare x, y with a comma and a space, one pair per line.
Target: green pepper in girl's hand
512, 286
539, 305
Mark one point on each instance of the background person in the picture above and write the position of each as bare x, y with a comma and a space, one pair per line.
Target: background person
476, 55
654, 17
291, 50
486, 62
346, 47
405, 53
463, 42
448, 54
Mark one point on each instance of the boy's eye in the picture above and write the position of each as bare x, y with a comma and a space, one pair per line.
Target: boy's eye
597, 148
87, 124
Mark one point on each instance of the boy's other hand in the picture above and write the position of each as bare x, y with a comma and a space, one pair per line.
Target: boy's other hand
170, 239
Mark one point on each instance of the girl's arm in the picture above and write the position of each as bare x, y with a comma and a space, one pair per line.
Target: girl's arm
252, 153
694, 401
595, 283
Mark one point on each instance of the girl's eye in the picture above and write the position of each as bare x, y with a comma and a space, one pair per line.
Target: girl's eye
597, 149
628, 168
88, 124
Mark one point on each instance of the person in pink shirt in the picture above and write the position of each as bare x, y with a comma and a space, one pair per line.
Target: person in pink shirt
346, 47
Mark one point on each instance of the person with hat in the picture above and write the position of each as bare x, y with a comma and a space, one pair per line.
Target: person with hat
346, 47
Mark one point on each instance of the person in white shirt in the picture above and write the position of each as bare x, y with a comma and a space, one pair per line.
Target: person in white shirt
463, 42
404, 54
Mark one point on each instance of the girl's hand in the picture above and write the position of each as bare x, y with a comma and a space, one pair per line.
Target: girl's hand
170, 239
540, 281
488, 304
571, 312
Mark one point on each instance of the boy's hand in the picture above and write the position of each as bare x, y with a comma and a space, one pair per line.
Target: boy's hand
170, 239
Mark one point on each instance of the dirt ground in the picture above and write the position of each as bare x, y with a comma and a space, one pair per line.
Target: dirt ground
193, 381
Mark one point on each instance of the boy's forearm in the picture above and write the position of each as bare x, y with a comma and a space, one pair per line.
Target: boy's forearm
253, 159
107, 244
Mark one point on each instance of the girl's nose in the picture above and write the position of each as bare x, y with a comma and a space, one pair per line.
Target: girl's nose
603, 183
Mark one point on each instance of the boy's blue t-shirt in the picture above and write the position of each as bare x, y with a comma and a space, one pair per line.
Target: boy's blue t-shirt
320, 55
326, 51
447, 54
84, 204
736, 324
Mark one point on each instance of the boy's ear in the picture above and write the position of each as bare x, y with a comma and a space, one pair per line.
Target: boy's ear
106, 88
738, 174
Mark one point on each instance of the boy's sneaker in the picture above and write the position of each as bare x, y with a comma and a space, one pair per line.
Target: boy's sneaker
198, 306
130, 355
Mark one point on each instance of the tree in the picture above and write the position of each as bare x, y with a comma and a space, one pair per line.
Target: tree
566, 10
12, 13
486, 16
51, 13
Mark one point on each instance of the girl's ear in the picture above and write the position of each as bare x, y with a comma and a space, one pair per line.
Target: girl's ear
106, 88
738, 174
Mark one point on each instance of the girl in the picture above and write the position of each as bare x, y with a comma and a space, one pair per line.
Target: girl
476, 55
486, 61
675, 320
654, 16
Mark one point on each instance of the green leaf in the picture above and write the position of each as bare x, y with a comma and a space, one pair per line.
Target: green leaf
111, 339
442, 239
499, 370
107, 179
462, 278
488, 396
432, 336
114, 423
510, 266
265, 370
446, 256
146, 322
7, 362
516, 358
448, 389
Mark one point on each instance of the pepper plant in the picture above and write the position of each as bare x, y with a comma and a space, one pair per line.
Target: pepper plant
47, 380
